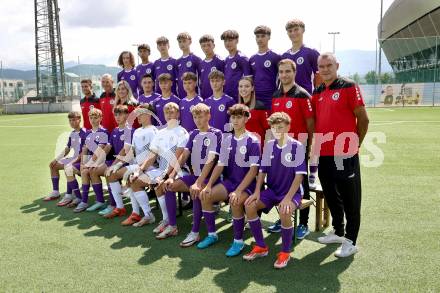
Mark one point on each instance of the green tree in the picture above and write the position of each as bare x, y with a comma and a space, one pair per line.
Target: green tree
386, 78
371, 77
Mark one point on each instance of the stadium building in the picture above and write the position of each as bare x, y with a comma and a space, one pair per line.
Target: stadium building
411, 40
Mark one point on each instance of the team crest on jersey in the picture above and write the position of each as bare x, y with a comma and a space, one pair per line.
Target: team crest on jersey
112, 102
148, 70
132, 77
234, 65
122, 137
213, 69
300, 60
267, 63
189, 64
243, 150
335, 96
170, 67
289, 104
206, 141
288, 157
91, 107
221, 108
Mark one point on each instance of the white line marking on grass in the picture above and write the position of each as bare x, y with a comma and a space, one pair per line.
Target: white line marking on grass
27, 118
31, 126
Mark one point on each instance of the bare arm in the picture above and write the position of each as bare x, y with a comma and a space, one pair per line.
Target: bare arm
362, 122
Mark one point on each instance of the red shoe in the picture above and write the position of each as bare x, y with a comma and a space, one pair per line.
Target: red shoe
52, 196
116, 213
133, 218
282, 260
256, 252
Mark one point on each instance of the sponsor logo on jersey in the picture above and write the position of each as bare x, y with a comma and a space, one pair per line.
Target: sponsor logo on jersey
335, 96
300, 60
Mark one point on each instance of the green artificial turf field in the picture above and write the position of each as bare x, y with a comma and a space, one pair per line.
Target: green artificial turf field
44, 248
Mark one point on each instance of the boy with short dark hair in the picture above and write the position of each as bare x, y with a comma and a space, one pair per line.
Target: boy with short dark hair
211, 63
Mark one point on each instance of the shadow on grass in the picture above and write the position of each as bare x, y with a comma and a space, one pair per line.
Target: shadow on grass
311, 273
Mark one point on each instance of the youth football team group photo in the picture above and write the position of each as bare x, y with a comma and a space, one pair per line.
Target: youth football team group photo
255, 133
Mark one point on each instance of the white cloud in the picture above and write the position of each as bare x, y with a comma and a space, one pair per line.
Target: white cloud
97, 31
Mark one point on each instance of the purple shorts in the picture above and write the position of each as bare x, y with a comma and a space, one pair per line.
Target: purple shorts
77, 166
109, 163
191, 179
270, 199
231, 186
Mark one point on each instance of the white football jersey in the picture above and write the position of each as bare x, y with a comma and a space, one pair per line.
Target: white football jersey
166, 142
142, 138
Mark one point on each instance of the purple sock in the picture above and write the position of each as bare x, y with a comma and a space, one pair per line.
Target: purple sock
257, 231
85, 193
185, 196
170, 200
75, 188
209, 220
112, 201
286, 237
56, 183
197, 215
97, 188
238, 225
69, 188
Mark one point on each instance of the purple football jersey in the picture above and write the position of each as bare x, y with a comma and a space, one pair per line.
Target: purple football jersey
306, 60
265, 71
235, 68
159, 104
132, 78
206, 66
187, 63
186, 118
118, 138
141, 70
238, 155
282, 163
143, 99
165, 66
77, 140
95, 139
219, 111
200, 144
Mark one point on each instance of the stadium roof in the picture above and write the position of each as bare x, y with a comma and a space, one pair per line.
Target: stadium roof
401, 13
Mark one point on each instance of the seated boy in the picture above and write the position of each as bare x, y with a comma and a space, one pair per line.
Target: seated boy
142, 138
239, 161
202, 151
119, 141
165, 147
76, 141
283, 163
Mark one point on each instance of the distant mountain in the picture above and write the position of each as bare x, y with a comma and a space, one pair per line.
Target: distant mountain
351, 61
82, 70
359, 61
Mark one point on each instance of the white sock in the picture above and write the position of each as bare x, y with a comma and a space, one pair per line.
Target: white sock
163, 207
142, 199
134, 202
117, 195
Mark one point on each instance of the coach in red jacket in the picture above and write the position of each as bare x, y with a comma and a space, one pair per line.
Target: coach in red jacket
88, 102
341, 125
107, 102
